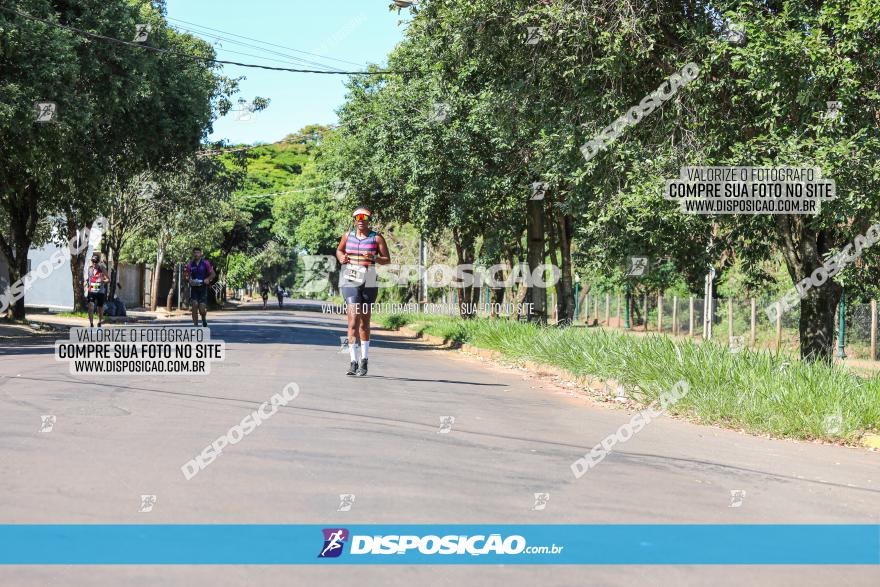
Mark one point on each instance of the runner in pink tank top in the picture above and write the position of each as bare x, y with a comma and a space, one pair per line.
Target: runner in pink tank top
359, 251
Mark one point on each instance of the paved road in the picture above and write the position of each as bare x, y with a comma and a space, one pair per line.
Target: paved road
377, 438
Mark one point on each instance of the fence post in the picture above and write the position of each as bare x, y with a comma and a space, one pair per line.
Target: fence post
705, 305
596, 309
778, 326
710, 317
691, 316
873, 330
607, 309
674, 315
753, 324
841, 335
729, 321
645, 322
659, 313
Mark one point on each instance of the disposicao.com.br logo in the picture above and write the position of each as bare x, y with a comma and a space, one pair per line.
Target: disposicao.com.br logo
480, 544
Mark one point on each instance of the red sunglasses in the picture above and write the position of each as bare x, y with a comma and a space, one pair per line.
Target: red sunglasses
360, 217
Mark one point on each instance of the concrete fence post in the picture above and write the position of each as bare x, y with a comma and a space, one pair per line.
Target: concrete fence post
691, 316
873, 330
674, 315
778, 325
730, 321
659, 313
753, 323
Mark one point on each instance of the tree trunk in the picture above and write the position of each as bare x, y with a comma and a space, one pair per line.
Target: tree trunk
18, 270
535, 230
565, 288
23, 215
464, 250
497, 299
512, 293
169, 301
154, 289
818, 313
77, 230
803, 249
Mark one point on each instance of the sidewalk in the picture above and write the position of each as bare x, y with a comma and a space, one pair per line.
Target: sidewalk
40, 323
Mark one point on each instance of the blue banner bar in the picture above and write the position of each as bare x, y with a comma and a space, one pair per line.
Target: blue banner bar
164, 544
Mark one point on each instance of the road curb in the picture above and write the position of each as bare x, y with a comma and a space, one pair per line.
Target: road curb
871, 441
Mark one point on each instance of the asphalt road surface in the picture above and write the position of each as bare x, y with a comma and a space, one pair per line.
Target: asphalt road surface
514, 435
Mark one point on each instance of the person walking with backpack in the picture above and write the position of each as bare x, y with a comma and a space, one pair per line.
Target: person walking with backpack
279, 293
96, 289
199, 273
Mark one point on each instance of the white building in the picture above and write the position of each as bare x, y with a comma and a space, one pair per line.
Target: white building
55, 291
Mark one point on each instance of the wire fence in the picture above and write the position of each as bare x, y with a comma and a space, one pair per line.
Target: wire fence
733, 321
737, 322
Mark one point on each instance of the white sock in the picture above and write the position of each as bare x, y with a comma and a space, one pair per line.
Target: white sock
353, 351
365, 346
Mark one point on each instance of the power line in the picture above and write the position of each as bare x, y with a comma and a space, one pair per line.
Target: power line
289, 58
267, 43
187, 55
295, 139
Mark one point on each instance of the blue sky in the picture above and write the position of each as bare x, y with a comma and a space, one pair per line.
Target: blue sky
357, 31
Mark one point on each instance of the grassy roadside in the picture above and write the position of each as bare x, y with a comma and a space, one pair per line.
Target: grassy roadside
757, 391
73, 314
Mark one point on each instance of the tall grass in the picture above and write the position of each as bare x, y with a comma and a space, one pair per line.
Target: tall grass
757, 391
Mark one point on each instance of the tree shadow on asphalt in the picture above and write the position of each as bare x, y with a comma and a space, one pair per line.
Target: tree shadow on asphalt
318, 333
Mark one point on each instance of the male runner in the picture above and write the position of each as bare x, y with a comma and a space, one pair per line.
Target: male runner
96, 289
359, 251
199, 273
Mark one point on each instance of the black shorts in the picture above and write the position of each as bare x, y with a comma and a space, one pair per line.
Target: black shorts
198, 294
98, 298
360, 294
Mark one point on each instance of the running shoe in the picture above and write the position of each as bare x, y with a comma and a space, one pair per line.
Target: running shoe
362, 370
353, 368
205, 322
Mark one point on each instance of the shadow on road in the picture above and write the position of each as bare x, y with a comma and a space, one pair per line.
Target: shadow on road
252, 330
436, 381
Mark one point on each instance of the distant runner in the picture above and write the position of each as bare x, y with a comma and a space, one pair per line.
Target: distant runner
96, 289
359, 251
264, 293
279, 293
199, 273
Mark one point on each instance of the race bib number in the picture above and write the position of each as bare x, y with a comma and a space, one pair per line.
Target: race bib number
196, 282
355, 274
95, 286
